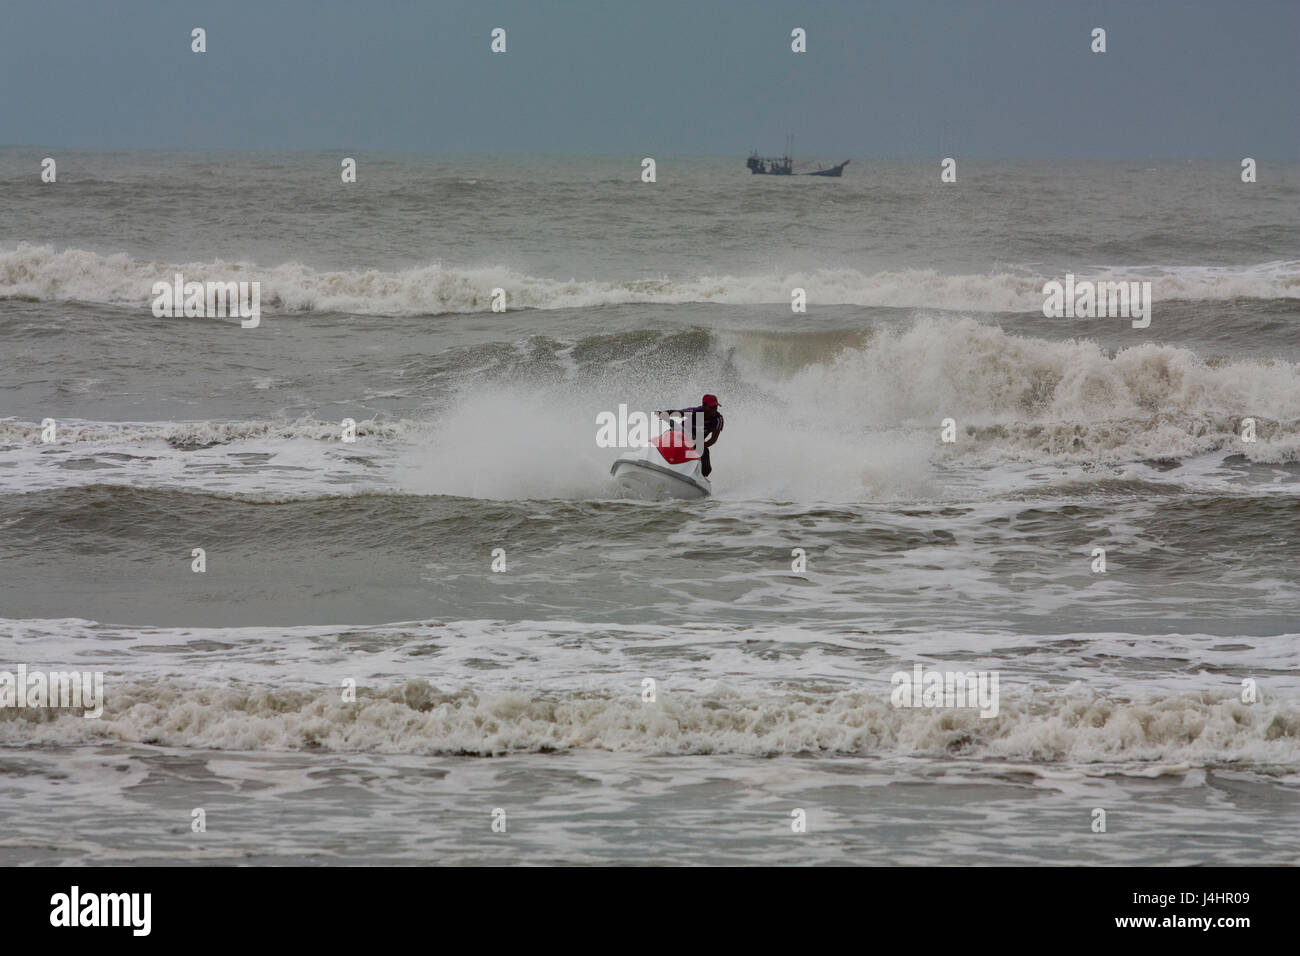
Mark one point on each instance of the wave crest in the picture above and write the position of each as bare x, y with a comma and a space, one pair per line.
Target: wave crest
33, 272
416, 717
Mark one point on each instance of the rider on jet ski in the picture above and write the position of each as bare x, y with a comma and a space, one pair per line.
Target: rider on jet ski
708, 416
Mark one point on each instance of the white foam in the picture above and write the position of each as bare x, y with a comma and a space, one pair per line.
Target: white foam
45, 273
416, 717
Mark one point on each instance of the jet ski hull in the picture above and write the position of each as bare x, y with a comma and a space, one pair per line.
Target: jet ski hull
651, 481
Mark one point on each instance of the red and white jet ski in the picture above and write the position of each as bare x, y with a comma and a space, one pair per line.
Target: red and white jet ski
669, 467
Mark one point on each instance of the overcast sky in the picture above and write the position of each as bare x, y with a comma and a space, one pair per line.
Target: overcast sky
1002, 78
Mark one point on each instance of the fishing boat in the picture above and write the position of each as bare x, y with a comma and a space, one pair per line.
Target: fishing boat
784, 165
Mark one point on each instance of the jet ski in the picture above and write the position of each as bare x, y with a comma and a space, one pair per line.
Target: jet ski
668, 467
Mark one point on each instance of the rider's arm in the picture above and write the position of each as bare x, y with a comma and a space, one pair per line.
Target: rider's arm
714, 437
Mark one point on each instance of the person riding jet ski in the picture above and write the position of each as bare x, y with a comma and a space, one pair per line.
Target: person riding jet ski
708, 419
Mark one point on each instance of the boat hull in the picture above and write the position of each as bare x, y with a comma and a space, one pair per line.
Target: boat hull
654, 482
836, 171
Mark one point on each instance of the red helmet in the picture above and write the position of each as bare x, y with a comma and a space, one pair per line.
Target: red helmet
711, 400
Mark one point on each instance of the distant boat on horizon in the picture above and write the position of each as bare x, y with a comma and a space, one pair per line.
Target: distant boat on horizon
784, 165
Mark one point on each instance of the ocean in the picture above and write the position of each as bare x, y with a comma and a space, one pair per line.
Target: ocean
451, 641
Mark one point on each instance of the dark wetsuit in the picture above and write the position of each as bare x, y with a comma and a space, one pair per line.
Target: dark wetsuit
709, 431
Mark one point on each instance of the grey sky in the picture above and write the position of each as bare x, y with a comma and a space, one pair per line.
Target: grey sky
1181, 78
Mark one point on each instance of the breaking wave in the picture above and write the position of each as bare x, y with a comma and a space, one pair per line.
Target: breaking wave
43, 273
186, 436
1027, 397
416, 717
856, 417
